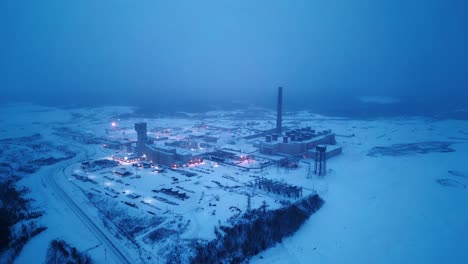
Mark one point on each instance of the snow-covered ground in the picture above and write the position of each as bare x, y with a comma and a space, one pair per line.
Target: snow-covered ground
408, 207
388, 209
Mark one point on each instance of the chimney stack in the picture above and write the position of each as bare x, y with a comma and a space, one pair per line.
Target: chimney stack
279, 114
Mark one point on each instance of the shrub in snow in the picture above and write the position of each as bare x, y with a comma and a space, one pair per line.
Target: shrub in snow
60, 251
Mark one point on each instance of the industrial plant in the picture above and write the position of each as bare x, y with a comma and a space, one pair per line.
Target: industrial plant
278, 144
215, 170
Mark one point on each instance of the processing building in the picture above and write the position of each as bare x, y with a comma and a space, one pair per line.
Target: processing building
162, 154
297, 142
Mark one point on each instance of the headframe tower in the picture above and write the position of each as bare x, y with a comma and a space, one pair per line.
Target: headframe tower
142, 137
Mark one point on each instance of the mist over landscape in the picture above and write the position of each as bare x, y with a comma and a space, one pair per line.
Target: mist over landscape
202, 55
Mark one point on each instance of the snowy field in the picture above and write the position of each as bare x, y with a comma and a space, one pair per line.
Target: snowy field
404, 208
397, 194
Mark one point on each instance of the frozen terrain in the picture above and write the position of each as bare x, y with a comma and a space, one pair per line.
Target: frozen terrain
404, 204
397, 194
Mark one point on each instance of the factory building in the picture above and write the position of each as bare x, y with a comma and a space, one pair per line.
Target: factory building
297, 142
227, 155
162, 154
170, 156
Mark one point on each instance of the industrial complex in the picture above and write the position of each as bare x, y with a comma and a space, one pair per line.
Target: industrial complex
184, 172
278, 145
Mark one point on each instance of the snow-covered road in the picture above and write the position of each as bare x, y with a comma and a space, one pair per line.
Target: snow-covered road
107, 242
58, 200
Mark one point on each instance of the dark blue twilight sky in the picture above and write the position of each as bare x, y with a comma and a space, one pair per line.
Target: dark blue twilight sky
328, 54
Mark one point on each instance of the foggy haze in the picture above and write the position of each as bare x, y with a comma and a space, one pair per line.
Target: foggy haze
330, 56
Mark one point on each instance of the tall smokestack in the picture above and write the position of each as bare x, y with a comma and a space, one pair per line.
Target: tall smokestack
279, 114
